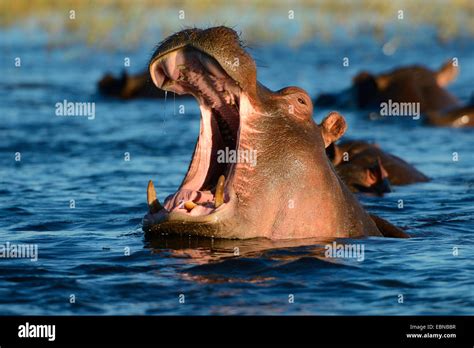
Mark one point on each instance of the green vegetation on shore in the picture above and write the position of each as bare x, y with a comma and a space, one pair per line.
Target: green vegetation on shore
114, 22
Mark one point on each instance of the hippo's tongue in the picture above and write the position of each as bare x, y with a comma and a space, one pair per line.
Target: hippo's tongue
193, 202
185, 195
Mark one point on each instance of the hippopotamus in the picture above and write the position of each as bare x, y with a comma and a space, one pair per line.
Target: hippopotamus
365, 167
129, 86
290, 191
410, 84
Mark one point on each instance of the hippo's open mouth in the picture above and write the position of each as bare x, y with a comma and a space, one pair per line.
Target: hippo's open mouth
206, 187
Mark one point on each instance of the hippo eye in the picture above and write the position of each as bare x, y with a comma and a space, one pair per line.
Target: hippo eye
301, 101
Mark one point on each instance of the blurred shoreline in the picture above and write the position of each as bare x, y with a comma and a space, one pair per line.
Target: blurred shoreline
123, 23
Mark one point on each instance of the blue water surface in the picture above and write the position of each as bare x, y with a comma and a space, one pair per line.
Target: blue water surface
76, 195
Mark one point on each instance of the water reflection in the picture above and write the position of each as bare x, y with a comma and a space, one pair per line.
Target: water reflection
201, 250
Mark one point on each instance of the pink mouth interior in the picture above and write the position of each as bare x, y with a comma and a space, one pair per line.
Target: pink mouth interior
190, 71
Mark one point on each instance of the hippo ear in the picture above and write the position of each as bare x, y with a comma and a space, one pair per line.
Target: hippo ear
333, 127
447, 73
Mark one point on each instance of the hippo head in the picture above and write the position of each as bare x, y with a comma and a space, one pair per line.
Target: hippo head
415, 84
406, 84
259, 168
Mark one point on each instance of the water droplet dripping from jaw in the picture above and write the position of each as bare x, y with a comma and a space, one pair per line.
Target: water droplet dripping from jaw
164, 112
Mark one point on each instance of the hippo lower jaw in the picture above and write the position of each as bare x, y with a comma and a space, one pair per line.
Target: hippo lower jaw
205, 198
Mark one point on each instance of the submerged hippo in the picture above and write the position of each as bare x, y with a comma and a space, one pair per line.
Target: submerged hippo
411, 84
365, 167
290, 191
129, 86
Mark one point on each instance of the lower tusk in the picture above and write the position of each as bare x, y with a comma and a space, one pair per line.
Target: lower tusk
153, 203
219, 197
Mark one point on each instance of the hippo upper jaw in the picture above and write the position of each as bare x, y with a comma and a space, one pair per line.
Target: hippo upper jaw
220, 45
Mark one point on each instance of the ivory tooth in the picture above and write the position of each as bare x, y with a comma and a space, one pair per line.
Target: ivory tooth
219, 197
189, 205
229, 98
153, 203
